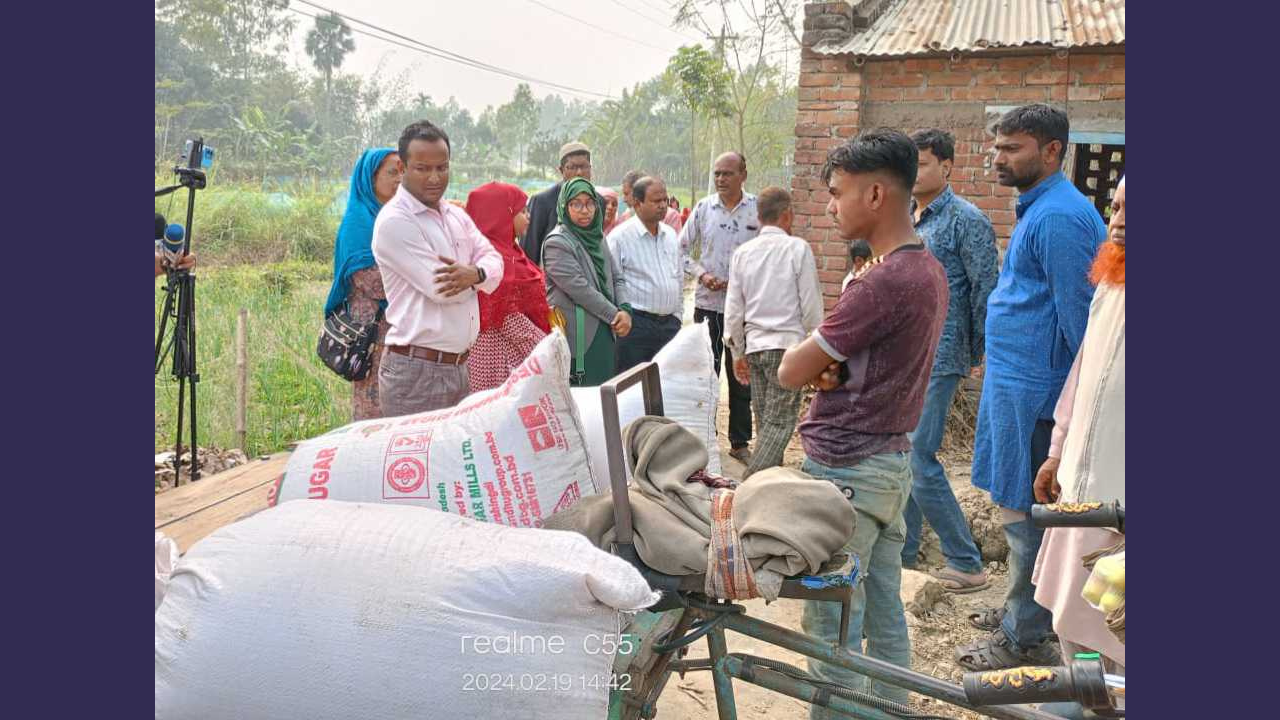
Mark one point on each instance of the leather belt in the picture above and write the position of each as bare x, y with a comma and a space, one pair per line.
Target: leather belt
430, 354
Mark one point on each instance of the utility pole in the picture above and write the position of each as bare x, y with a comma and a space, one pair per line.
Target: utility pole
719, 41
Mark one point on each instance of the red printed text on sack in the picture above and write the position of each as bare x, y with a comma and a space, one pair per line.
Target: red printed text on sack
320, 473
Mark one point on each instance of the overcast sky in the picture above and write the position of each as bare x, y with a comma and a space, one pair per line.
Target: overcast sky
520, 35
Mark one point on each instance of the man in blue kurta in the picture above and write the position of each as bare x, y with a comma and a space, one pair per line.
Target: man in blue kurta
1035, 322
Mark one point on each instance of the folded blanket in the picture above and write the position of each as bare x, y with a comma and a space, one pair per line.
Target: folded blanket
787, 522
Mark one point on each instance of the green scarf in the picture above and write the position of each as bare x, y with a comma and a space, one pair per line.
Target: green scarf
591, 238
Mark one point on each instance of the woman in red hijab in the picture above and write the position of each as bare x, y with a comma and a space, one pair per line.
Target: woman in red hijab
515, 316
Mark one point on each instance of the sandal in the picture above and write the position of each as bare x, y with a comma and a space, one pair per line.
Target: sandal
988, 619
998, 653
992, 619
954, 581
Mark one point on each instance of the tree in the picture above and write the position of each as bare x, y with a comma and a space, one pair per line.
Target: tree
328, 43
184, 86
643, 129
517, 123
542, 152
768, 31
704, 85
236, 38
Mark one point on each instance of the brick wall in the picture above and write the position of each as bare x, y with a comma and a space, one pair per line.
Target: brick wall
837, 97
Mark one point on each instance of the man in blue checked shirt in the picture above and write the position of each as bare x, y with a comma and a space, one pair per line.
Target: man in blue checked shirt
961, 237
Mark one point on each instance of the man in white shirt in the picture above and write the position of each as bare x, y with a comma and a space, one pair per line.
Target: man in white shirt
718, 225
651, 280
774, 301
433, 260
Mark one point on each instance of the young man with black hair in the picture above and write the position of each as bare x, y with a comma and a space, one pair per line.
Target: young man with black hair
650, 282
575, 161
961, 237
433, 261
773, 302
1036, 318
870, 360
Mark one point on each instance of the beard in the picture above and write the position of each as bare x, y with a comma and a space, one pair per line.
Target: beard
1108, 267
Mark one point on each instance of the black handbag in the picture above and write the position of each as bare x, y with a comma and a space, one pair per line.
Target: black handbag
347, 346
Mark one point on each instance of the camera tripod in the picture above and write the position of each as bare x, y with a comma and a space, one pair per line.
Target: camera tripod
180, 306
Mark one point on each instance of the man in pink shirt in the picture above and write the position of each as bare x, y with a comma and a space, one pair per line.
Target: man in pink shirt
433, 261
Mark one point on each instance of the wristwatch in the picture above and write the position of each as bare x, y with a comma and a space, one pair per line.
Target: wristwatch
480, 272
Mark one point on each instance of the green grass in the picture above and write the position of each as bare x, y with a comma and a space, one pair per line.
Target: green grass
243, 223
291, 394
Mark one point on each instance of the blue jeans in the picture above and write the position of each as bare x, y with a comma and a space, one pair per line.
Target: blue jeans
931, 496
1026, 623
878, 488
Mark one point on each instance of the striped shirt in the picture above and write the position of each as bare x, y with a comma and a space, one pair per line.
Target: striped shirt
651, 277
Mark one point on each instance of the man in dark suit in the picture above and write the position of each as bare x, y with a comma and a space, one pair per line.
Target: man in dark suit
575, 161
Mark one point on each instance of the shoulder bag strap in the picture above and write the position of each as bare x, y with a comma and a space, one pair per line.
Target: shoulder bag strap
580, 340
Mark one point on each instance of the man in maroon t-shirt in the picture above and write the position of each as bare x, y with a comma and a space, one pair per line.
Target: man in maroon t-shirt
870, 361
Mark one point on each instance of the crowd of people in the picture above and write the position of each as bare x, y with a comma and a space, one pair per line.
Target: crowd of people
462, 292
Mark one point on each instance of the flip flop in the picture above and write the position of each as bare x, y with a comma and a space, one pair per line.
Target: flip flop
954, 581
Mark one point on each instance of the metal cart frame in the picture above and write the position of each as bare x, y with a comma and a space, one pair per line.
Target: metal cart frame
699, 616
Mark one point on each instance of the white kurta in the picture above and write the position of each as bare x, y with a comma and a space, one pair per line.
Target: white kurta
1089, 439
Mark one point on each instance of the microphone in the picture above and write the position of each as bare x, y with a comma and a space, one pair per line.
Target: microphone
160, 225
171, 243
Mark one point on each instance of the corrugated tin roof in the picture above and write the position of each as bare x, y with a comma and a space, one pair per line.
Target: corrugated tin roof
916, 27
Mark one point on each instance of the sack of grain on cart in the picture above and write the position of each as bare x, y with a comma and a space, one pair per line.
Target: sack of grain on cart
690, 393
513, 455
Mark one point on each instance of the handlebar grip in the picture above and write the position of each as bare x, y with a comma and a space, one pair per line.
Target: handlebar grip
1088, 514
1083, 681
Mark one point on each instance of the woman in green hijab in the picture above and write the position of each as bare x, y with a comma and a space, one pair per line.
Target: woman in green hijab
582, 283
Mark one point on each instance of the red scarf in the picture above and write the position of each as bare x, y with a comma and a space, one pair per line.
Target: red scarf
494, 207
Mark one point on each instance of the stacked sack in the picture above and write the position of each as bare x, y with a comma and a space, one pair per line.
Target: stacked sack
340, 610
690, 393
512, 455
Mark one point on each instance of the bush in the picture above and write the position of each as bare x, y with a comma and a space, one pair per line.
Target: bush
242, 223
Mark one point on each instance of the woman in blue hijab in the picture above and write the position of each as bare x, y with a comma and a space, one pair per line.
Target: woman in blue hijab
356, 280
